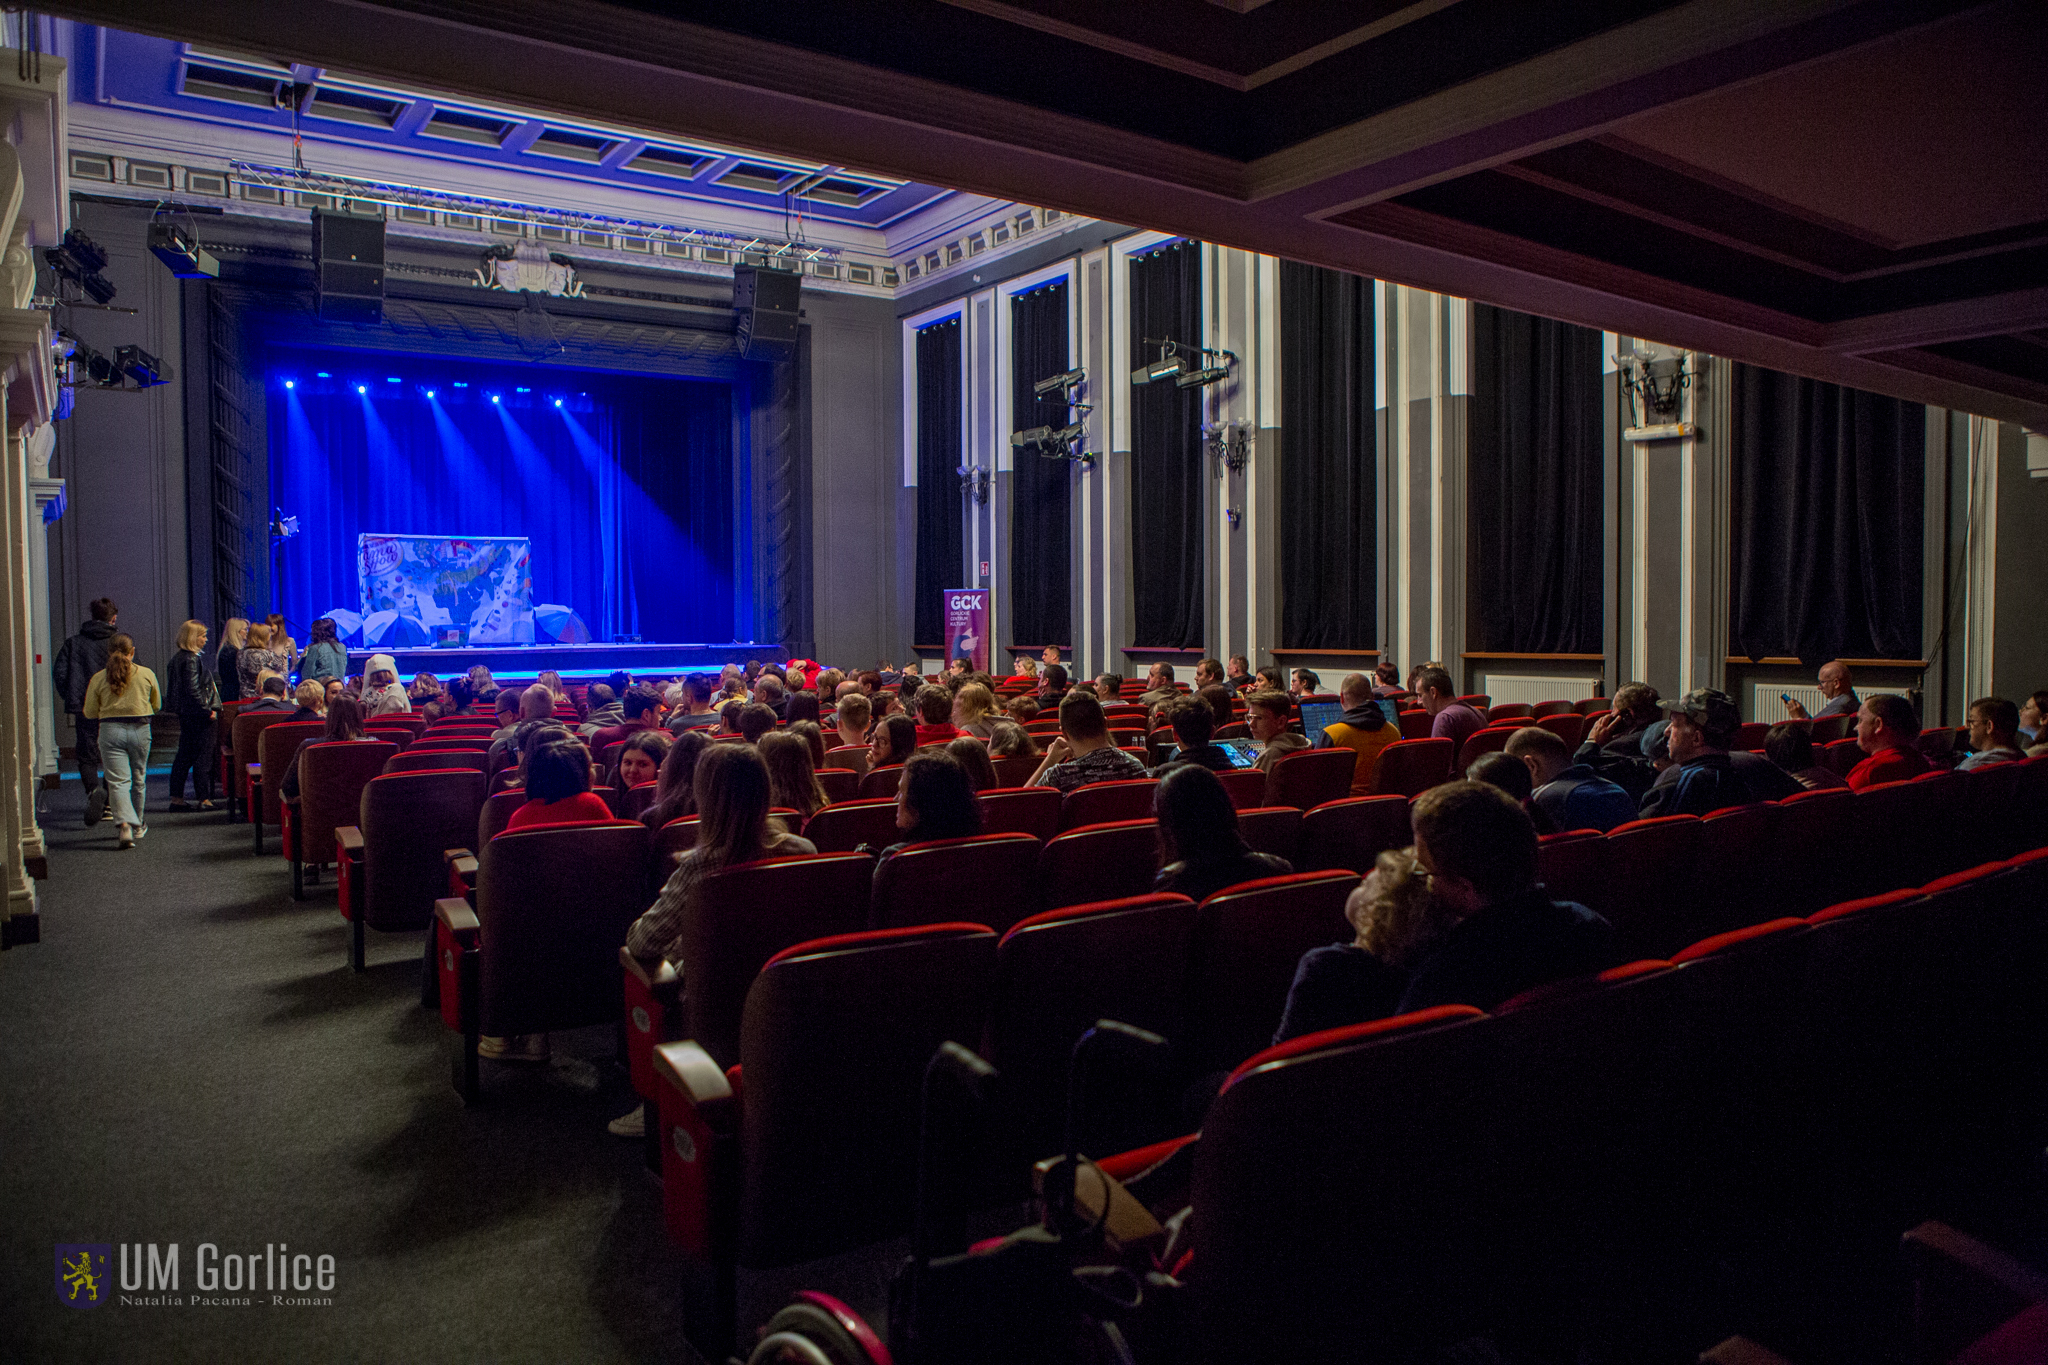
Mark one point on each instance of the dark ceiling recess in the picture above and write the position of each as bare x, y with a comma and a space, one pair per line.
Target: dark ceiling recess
1855, 190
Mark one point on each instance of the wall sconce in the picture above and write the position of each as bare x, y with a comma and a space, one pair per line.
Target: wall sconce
974, 482
1655, 386
1231, 444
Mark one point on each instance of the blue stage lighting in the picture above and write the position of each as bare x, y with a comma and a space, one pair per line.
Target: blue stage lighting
462, 383
322, 374
288, 384
522, 389
494, 398
362, 388
430, 393
558, 402
393, 379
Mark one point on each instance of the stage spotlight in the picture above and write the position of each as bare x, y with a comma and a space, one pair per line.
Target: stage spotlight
1054, 383
1166, 367
494, 398
430, 393
142, 367
180, 250
522, 389
362, 388
1196, 378
558, 402
79, 259
462, 383
393, 379
322, 374
288, 384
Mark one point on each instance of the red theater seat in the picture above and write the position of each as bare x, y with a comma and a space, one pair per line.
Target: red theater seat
1544, 709
1021, 810
390, 865
1103, 802
1352, 833
275, 746
881, 783
984, 878
1246, 787
841, 828
1248, 940
1099, 863
1308, 778
1272, 829
331, 781
840, 784
1416, 723
423, 756
1509, 710
1410, 767
1568, 726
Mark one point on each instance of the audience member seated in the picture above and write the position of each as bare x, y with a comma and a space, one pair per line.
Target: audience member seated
852, 717
731, 789
558, 788
1159, 686
812, 734
1888, 731
1025, 667
1836, 685
311, 699
1994, 725
552, 681
1511, 775
344, 722
1569, 795
971, 754
769, 692
1450, 718
536, 706
1505, 934
1008, 739
509, 707
756, 720
1084, 753
1237, 673
1271, 679
935, 801
674, 796
792, 778
1613, 745
1306, 683
453, 701
1193, 720
894, 740
425, 686
1023, 710
1266, 714
729, 712
1396, 922
641, 710
799, 707
605, 709
1386, 681
641, 758
1363, 729
1109, 688
974, 709
1209, 673
935, 715
1702, 776
1789, 744
1052, 685
2034, 720
270, 696
1200, 849
1049, 657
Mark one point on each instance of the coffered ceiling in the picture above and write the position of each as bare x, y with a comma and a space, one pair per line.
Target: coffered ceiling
1852, 189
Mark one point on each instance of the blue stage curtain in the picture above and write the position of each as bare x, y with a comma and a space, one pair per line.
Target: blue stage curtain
625, 492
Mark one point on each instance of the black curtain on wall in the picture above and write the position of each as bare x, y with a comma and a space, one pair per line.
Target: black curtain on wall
1329, 458
1534, 517
1167, 467
939, 457
1041, 490
1828, 494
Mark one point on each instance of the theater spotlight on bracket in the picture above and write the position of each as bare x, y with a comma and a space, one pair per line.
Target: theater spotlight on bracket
1059, 442
79, 259
178, 248
1173, 364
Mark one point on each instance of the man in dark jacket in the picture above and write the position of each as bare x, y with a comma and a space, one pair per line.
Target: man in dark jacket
1703, 776
1194, 722
1613, 746
78, 658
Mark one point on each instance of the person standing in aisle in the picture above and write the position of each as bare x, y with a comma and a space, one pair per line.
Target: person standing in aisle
234, 633
78, 660
195, 696
123, 697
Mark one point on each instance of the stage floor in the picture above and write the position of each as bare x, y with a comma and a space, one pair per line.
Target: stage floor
572, 661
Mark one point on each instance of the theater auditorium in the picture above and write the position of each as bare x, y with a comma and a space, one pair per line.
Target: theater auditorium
1022, 681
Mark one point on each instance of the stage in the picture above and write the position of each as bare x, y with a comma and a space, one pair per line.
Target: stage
581, 662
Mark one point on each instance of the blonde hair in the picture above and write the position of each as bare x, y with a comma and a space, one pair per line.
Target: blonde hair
191, 635
120, 663
974, 701
258, 636
552, 681
234, 632
311, 695
1397, 918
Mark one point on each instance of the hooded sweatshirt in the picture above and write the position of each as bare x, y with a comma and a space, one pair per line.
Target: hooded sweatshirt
81, 656
386, 698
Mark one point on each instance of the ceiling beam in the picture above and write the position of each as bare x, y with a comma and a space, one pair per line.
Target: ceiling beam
1956, 320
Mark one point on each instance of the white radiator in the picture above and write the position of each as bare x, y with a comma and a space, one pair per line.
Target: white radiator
1766, 700
1504, 687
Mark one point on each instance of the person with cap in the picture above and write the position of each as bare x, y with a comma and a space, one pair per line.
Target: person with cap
1703, 776
383, 695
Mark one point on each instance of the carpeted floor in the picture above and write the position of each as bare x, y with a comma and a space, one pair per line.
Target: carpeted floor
186, 1058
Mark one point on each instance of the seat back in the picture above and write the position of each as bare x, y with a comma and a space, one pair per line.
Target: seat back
1829, 729
423, 756
1352, 833
247, 730
408, 821
845, 1027
882, 782
1568, 726
983, 879
1543, 709
1741, 852
555, 904
1594, 706
331, 782
1509, 710
853, 757
840, 784
1651, 885
1021, 810
1248, 941
636, 799
400, 735
274, 750
1410, 767
1817, 846
1490, 740
1014, 770
1099, 863
1309, 777
1272, 829
841, 828
1750, 736
1058, 972
677, 836
745, 914
1246, 787
1102, 802
1416, 723
1841, 755
496, 814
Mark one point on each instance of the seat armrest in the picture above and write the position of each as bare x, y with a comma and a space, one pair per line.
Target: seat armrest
1741, 1351
692, 1076
657, 977
1963, 1290
459, 917
349, 839
255, 770
461, 864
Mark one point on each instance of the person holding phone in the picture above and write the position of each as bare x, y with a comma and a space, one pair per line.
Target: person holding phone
1837, 685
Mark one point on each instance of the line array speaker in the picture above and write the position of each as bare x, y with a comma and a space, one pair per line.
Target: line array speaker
348, 267
765, 305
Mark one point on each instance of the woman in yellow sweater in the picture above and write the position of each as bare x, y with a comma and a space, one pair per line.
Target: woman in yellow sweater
123, 697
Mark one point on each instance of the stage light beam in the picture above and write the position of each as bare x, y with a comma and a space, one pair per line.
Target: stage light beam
288, 384
362, 388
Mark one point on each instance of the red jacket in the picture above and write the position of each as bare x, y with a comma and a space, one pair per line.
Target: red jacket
1889, 765
945, 732
584, 808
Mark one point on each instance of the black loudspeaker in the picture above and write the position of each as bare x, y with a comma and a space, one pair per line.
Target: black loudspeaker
348, 267
765, 302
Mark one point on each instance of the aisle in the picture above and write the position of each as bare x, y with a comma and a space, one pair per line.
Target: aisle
188, 1059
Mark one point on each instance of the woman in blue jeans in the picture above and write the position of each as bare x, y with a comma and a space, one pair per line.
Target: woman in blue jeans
123, 697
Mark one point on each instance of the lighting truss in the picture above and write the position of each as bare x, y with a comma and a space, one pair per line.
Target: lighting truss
391, 195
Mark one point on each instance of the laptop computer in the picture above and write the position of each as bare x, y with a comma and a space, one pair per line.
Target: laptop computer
1316, 715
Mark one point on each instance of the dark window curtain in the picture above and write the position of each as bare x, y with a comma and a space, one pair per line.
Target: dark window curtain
1534, 515
1167, 580
1329, 499
939, 532
1041, 490
1828, 494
